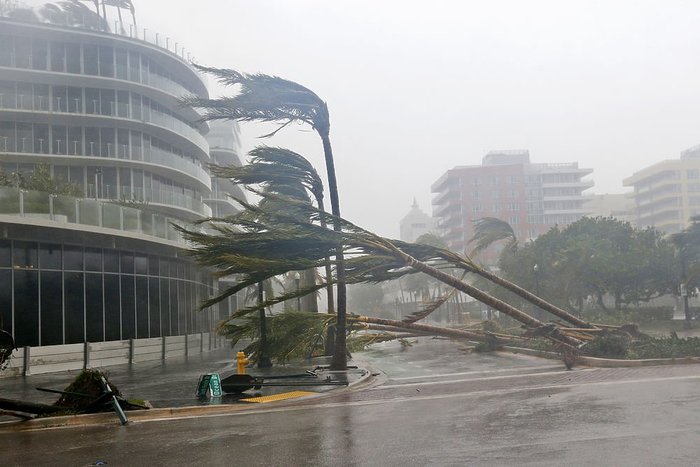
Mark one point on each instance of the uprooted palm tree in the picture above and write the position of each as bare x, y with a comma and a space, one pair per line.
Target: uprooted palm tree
276, 242
265, 98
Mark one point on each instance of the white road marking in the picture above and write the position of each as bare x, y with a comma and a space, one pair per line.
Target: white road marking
465, 380
464, 373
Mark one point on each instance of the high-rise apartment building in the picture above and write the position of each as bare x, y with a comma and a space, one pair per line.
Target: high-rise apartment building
531, 197
667, 193
101, 111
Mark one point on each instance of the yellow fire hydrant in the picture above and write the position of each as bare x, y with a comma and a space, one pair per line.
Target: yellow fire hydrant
241, 361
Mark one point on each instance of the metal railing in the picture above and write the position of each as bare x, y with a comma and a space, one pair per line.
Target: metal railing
85, 211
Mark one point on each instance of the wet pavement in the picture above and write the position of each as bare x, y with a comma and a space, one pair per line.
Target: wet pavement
434, 403
173, 382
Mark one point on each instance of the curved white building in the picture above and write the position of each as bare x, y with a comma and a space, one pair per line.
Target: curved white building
101, 111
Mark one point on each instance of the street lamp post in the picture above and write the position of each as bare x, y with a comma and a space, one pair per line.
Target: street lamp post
264, 360
536, 270
297, 280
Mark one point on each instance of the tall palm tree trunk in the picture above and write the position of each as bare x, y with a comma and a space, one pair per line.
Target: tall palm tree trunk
481, 296
104, 15
340, 359
329, 343
534, 299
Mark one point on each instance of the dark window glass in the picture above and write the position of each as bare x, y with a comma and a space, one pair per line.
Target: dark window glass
182, 306
154, 306
112, 307
191, 319
93, 259
106, 61
121, 56
152, 265
165, 307
174, 325
25, 255
128, 308
73, 58
73, 258
90, 59
223, 308
111, 259
6, 50
140, 264
141, 307
6, 300
94, 307
51, 308
58, 56
27, 306
134, 67
50, 256
39, 53
23, 52
74, 307
5, 254
127, 262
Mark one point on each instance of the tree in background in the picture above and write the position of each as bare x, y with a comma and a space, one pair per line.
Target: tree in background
594, 257
687, 243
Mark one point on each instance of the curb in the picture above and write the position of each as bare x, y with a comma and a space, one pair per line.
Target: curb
607, 362
110, 419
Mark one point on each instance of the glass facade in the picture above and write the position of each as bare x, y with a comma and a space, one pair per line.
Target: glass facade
88, 59
94, 101
104, 113
63, 294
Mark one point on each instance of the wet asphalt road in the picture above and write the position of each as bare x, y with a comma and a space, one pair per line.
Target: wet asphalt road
434, 404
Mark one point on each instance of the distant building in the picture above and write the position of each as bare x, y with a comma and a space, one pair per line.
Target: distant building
667, 193
619, 206
416, 223
531, 197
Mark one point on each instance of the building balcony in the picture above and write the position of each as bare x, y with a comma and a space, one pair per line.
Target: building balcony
131, 38
582, 184
156, 123
57, 209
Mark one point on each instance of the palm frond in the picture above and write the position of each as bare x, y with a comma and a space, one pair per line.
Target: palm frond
262, 98
489, 230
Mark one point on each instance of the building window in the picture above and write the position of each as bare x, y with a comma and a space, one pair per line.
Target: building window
693, 174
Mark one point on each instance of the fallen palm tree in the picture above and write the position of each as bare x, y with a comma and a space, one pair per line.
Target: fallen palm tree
259, 243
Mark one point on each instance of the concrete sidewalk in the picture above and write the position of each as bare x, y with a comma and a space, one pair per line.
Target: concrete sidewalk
173, 382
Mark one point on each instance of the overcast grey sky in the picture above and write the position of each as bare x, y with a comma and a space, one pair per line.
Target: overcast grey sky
417, 87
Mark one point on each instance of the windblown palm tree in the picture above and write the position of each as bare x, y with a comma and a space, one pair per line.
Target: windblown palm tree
73, 13
277, 242
489, 230
284, 173
266, 98
119, 4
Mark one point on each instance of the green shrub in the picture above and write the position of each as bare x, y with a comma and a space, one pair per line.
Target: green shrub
608, 346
